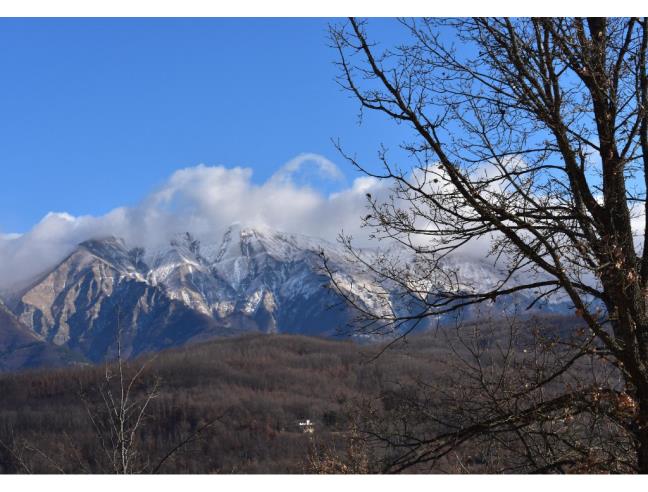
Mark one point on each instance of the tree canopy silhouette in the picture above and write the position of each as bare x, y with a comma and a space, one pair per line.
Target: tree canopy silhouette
530, 135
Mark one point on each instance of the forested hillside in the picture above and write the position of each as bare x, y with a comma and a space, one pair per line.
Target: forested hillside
234, 405
255, 389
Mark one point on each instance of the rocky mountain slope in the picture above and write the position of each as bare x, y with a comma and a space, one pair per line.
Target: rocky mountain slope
21, 349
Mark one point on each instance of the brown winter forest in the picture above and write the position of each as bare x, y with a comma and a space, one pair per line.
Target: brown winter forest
234, 405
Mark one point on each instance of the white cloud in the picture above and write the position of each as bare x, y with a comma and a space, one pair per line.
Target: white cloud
326, 169
203, 200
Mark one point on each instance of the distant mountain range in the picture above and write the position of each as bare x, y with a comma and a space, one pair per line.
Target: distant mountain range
251, 279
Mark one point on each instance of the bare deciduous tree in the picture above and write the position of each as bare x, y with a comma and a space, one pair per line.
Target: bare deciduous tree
531, 135
121, 410
118, 408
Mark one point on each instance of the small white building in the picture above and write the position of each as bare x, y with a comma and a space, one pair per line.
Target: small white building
307, 426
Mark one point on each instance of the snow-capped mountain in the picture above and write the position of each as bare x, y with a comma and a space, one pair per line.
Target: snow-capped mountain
240, 280
246, 279
99, 290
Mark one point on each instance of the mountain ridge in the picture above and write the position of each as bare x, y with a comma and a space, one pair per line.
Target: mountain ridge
242, 280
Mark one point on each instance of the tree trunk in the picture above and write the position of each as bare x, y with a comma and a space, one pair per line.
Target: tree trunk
642, 452
642, 434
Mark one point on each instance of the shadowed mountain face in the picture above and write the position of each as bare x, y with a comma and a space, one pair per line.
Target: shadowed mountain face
21, 349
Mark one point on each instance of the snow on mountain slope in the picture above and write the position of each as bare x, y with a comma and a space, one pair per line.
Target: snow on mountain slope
258, 273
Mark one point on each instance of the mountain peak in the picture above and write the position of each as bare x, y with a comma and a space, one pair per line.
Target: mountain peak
113, 250
100, 243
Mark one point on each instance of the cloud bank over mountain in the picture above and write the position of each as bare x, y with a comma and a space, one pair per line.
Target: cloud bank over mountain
204, 200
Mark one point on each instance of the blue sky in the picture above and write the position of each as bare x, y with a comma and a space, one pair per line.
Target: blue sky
97, 113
